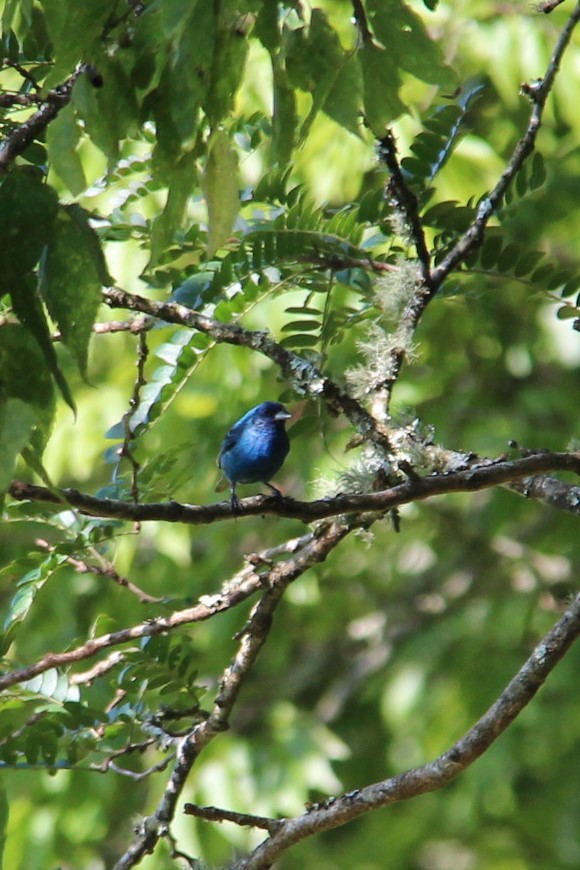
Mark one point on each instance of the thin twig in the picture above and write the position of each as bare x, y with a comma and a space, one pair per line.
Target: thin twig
550, 491
547, 6
136, 325
105, 569
22, 71
129, 429
214, 814
138, 776
99, 670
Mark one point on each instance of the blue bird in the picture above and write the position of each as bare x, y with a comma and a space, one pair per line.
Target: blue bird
255, 448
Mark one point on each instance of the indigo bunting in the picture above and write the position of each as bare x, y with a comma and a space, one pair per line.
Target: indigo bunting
255, 447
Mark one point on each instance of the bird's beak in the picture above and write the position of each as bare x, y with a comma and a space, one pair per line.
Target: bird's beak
282, 415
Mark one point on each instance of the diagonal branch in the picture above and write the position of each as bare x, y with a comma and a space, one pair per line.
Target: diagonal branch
406, 203
538, 93
438, 773
259, 571
550, 491
302, 374
18, 140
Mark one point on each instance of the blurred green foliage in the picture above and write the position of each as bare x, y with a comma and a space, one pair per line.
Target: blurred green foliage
385, 654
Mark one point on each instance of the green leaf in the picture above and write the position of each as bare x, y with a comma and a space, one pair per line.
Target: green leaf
345, 99
27, 589
227, 67
74, 29
570, 287
538, 172
8, 14
70, 284
449, 215
220, 185
402, 43
308, 50
509, 257
442, 131
381, 82
543, 273
4, 810
491, 250
28, 308
51, 684
183, 87
16, 421
567, 312
284, 119
181, 179
25, 377
318, 64
91, 241
405, 38
110, 113
301, 325
182, 354
266, 27
528, 263
62, 138
27, 213
522, 186
300, 340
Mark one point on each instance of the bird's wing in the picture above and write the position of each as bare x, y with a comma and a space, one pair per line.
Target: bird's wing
234, 433
230, 439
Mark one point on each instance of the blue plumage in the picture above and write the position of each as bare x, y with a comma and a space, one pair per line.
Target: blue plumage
255, 447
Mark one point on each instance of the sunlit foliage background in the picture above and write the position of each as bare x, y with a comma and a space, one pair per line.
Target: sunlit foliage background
386, 653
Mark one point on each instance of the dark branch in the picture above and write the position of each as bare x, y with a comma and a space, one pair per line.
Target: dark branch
18, 140
406, 203
214, 814
125, 450
482, 475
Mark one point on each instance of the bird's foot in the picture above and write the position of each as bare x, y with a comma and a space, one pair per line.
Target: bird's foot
275, 492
